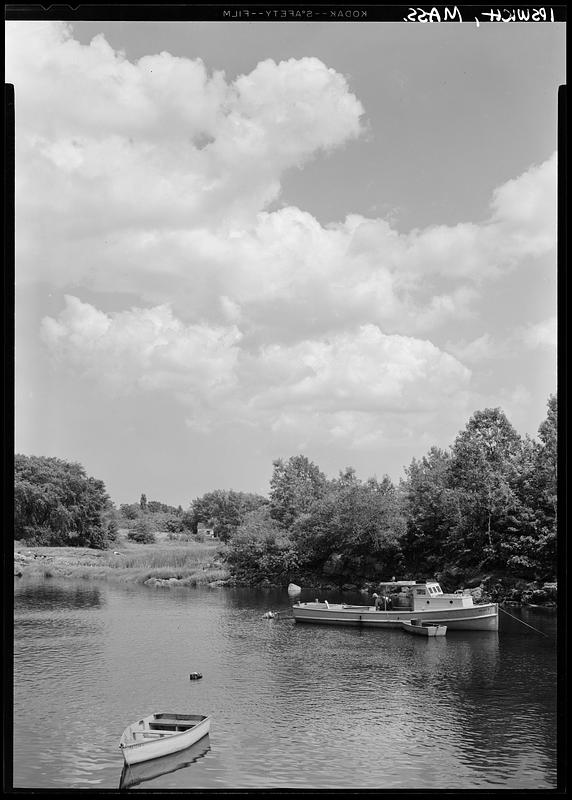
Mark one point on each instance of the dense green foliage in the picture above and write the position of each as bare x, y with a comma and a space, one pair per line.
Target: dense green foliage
487, 506
294, 487
157, 517
352, 531
142, 532
56, 503
224, 511
261, 550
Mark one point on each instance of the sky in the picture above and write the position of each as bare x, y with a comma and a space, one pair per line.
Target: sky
238, 242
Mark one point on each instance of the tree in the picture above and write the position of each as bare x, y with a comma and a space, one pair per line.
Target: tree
261, 550
143, 502
546, 461
130, 510
224, 510
56, 503
353, 531
431, 507
295, 485
484, 468
531, 547
142, 532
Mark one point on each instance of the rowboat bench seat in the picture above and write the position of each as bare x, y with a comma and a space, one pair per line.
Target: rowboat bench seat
170, 726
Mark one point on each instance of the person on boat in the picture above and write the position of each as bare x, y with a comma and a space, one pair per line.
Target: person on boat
376, 600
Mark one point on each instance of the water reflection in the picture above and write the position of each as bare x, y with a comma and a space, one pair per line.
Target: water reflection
135, 774
50, 596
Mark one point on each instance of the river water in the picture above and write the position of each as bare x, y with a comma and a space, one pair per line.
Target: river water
292, 705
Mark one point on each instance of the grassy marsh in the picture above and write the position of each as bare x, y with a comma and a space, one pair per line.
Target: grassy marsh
188, 564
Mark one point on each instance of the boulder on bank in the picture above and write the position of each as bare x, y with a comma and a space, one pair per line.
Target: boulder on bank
294, 589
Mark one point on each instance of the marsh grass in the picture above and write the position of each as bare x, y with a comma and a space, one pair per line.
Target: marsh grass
191, 563
175, 557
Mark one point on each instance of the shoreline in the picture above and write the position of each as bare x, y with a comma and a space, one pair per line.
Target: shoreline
172, 563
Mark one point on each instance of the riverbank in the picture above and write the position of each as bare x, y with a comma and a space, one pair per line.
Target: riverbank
164, 563
174, 563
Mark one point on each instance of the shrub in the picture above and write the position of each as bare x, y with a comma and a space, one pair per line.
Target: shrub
142, 532
37, 536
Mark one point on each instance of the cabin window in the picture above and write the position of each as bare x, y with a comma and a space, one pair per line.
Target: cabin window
420, 591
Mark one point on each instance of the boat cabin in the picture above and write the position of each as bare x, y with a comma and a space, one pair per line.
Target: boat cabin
422, 595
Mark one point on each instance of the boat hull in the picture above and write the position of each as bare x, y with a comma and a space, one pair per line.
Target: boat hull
471, 618
134, 774
424, 630
139, 743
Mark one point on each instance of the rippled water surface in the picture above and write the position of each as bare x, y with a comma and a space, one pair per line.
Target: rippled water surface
297, 706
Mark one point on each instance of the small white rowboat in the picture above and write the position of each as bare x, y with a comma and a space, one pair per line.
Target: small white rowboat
423, 628
160, 734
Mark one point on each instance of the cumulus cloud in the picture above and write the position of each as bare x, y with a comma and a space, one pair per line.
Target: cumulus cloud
343, 382
157, 178
144, 349
539, 334
160, 141
363, 370
480, 349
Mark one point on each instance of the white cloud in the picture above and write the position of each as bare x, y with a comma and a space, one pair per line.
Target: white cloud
364, 371
343, 386
154, 177
161, 142
480, 349
484, 348
524, 211
144, 349
539, 334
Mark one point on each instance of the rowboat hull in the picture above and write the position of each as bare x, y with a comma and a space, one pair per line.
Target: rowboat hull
472, 618
135, 774
161, 734
425, 629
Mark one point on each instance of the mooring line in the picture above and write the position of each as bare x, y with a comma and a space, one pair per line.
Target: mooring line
524, 623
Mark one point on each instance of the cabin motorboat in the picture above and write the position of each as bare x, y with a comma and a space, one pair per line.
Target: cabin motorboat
160, 734
419, 628
403, 601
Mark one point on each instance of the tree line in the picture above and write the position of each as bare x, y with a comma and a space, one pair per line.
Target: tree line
485, 505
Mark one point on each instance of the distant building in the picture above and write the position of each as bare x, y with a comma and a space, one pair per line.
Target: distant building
206, 530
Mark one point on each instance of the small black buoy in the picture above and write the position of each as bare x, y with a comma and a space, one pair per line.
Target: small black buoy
194, 676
